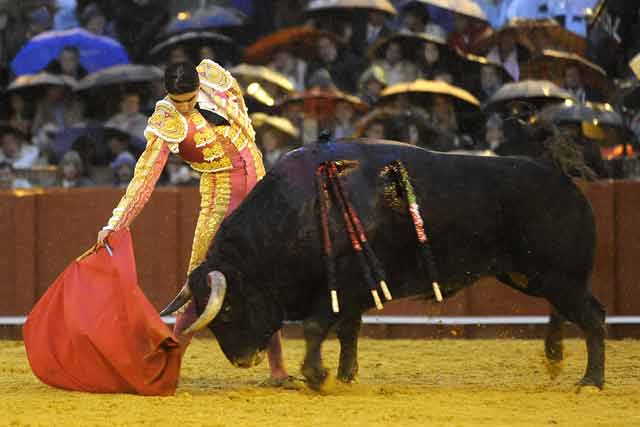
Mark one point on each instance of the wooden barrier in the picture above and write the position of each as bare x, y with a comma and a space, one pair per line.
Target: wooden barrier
43, 231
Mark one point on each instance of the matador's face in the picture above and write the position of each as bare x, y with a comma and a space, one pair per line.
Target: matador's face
184, 102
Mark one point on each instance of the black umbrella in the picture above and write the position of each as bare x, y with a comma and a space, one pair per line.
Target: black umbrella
190, 39
32, 81
536, 93
118, 74
206, 18
597, 114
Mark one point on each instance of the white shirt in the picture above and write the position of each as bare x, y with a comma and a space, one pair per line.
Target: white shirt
26, 157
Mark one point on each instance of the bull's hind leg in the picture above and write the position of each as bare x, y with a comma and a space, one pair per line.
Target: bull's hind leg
553, 347
348, 331
587, 312
316, 330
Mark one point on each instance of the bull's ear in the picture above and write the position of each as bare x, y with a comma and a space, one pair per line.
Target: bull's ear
218, 286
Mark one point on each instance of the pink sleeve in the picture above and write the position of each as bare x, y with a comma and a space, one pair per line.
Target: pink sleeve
146, 174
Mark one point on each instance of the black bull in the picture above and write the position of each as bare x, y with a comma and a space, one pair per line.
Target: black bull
512, 218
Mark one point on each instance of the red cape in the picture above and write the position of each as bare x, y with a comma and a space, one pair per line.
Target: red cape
95, 331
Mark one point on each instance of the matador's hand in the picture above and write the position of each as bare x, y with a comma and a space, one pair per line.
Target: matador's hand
103, 235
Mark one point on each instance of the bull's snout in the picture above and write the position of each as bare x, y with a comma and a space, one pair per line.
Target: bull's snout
249, 361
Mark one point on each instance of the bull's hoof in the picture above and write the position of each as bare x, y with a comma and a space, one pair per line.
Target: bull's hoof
288, 383
590, 385
347, 378
321, 381
554, 367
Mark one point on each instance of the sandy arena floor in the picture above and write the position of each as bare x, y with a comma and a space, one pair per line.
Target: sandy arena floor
401, 383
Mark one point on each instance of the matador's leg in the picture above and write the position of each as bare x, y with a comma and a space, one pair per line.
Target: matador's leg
215, 197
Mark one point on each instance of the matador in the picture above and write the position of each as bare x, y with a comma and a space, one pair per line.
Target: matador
204, 120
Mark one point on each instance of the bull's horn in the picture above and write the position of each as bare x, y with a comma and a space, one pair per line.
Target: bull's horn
218, 284
181, 299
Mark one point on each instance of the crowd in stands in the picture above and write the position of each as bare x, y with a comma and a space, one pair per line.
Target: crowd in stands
421, 75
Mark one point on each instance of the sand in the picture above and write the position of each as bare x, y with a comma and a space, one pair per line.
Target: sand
401, 383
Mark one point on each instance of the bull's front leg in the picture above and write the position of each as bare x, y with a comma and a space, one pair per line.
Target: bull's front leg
348, 332
315, 332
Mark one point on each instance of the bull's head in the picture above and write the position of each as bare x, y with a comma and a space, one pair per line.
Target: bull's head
238, 316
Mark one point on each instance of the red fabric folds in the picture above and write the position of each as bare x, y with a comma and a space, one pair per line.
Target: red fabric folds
95, 331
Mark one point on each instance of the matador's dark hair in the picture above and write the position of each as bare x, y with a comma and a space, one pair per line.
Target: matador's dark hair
181, 77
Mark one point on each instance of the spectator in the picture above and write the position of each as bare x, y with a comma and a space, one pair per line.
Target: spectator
179, 173
19, 116
68, 64
490, 82
507, 53
376, 130
376, 27
57, 111
94, 21
71, 172
8, 179
342, 65
273, 146
129, 119
123, 167
396, 68
574, 84
443, 114
344, 120
38, 21
15, 150
118, 144
433, 57
372, 81
465, 32
416, 18
177, 54
293, 68
494, 135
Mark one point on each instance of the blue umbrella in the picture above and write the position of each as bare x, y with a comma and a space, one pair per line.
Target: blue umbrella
209, 18
96, 52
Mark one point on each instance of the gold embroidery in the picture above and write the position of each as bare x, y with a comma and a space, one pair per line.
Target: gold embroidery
197, 119
213, 152
215, 197
204, 137
167, 123
221, 164
213, 75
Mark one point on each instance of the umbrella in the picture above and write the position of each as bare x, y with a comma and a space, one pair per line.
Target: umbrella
96, 52
321, 103
118, 74
247, 74
597, 114
316, 6
190, 38
534, 34
410, 42
261, 120
206, 18
536, 92
261, 83
300, 41
467, 8
467, 67
552, 64
31, 81
433, 87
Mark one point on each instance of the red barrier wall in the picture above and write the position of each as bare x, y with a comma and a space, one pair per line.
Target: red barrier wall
43, 231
